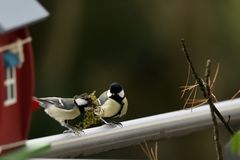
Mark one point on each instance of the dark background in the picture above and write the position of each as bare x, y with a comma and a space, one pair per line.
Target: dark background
86, 44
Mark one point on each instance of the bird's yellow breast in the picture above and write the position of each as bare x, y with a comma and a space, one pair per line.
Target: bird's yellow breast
112, 107
62, 114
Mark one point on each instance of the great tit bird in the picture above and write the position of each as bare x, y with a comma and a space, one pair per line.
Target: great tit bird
112, 103
63, 109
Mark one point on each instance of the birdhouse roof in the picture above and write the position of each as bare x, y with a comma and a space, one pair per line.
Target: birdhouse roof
18, 13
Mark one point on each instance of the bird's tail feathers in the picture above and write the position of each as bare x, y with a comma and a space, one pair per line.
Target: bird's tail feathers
43, 102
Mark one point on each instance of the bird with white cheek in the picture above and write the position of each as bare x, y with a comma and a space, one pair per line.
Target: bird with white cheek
63, 109
112, 103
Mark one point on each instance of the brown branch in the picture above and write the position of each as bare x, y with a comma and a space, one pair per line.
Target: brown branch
215, 76
202, 87
215, 124
195, 75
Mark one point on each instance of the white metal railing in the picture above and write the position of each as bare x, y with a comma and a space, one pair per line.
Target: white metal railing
164, 125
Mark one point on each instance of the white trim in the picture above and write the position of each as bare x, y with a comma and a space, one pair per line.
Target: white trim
10, 85
15, 44
17, 47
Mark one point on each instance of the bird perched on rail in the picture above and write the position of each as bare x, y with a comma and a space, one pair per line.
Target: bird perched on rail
64, 109
112, 103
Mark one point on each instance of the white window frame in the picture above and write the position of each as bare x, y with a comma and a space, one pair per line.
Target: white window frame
10, 85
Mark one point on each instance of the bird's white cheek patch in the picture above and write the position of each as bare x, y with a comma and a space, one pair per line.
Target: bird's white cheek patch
121, 94
109, 93
80, 101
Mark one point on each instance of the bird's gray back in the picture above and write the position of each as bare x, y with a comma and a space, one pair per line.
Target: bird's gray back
64, 103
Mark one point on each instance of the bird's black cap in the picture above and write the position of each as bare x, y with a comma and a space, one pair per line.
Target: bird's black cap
115, 87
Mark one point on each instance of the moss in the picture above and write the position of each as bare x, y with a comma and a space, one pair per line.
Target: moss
88, 119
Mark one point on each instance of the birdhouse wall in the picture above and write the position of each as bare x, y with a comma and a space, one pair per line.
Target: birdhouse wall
26, 85
1, 93
15, 118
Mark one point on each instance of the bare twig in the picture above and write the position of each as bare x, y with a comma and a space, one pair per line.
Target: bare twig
194, 97
199, 80
236, 94
214, 97
151, 153
189, 96
156, 150
186, 85
146, 150
215, 124
213, 82
197, 102
194, 102
207, 80
187, 88
215, 76
202, 88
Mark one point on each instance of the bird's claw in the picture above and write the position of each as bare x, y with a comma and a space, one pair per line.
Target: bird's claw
75, 131
79, 133
67, 131
114, 124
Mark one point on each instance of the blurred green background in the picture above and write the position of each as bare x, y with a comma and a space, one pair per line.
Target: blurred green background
86, 44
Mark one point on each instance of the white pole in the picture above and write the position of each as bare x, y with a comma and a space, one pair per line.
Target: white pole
164, 125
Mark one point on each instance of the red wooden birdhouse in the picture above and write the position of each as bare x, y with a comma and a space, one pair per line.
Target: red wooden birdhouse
16, 67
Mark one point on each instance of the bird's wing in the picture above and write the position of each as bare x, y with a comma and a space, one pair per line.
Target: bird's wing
68, 103
124, 107
102, 98
64, 103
